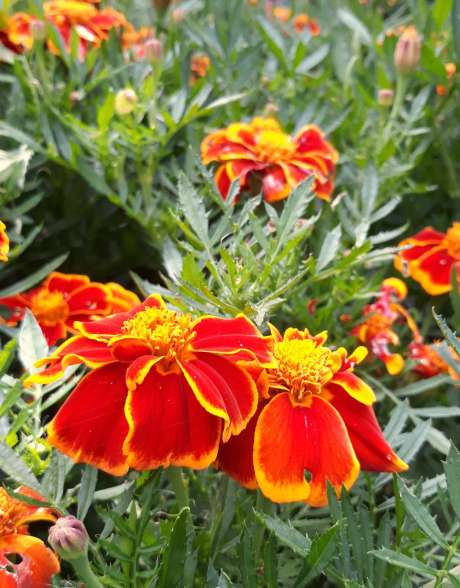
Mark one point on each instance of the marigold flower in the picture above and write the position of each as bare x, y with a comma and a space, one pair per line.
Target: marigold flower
430, 258
407, 51
302, 21
38, 563
282, 13
142, 44
315, 415
376, 330
261, 150
4, 243
169, 388
59, 301
199, 66
429, 362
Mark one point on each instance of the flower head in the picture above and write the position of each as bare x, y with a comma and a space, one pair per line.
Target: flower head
315, 415
430, 257
4, 243
199, 66
302, 21
38, 563
261, 151
169, 388
407, 51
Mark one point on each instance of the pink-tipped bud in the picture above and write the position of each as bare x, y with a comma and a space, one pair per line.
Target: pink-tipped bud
385, 97
38, 30
152, 50
125, 101
407, 52
68, 538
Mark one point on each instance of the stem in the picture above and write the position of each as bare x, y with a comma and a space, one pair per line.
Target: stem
180, 487
445, 567
401, 86
84, 572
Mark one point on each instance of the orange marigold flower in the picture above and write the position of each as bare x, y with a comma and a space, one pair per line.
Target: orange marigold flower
315, 415
302, 21
282, 13
17, 35
59, 301
38, 563
429, 362
199, 66
4, 243
169, 388
431, 257
376, 330
260, 150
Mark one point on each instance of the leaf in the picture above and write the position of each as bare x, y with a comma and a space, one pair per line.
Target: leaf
323, 549
455, 21
34, 278
273, 40
172, 259
370, 189
329, 248
421, 515
448, 334
86, 491
437, 412
403, 561
355, 25
32, 344
452, 470
440, 11
285, 533
423, 385
15, 468
7, 355
313, 59
193, 208
172, 565
7, 130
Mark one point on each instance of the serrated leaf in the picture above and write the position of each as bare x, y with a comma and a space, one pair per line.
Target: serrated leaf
446, 331
273, 39
7, 355
355, 25
172, 565
15, 468
452, 470
32, 344
329, 248
285, 533
86, 491
403, 561
193, 208
313, 59
323, 549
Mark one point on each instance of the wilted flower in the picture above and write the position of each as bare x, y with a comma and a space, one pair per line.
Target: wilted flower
125, 101
407, 51
169, 388
431, 257
37, 563
4, 243
315, 414
385, 97
68, 537
261, 151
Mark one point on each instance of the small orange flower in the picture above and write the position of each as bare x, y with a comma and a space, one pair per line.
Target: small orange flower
282, 13
315, 415
260, 150
199, 66
140, 42
59, 301
169, 388
4, 243
376, 330
38, 563
302, 21
451, 69
431, 257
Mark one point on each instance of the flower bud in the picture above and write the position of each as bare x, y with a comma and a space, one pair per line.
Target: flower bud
152, 50
68, 538
385, 97
407, 52
38, 30
125, 101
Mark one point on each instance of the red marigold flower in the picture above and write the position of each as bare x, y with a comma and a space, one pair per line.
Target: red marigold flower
59, 301
261, 150
316, 417
38, 563
17, 35
302, 21
430, 258
376, 331
169, 388
4, 243
428, 361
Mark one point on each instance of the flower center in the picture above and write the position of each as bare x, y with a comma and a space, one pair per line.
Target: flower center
11, 513
49, 308
168, 333
452, 241
377, 323
274, 146
303, 367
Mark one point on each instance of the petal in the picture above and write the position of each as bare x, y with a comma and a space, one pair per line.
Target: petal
121, 299
433, 270
138, 370
224, 389
38, 563
35, 513
275, 185
65, 283
354, 386
310, 139
91, 426
222, 180
168, 426
128, 348
90, 299
292, 439
394, 363
232, 336
55, 333
373, 452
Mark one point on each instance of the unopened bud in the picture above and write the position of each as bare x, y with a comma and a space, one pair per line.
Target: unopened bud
152, 50
69, 538
407, 52
385, 97
125, 101
38, 30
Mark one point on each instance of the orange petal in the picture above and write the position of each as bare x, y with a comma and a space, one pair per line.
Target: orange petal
167, 425
355, 387
91, 426
292, 439
38, 565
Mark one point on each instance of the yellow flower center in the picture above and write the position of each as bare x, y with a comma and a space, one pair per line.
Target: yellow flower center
452, 241
49, 308
303, 368
11, 512
274, 146
169, 333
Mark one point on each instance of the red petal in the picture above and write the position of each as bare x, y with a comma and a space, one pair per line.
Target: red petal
90, 299
126, 348
275, 185
222, 180
373, 452
432, 271
232, 336
223, 389
65, 283
55, 333
91, 426
138, 370
168, 426
38, 565
311, 139
121, 300
291, 439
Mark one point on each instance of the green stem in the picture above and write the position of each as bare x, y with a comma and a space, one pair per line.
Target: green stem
450, 554
401, 86
180, 486
84, 572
